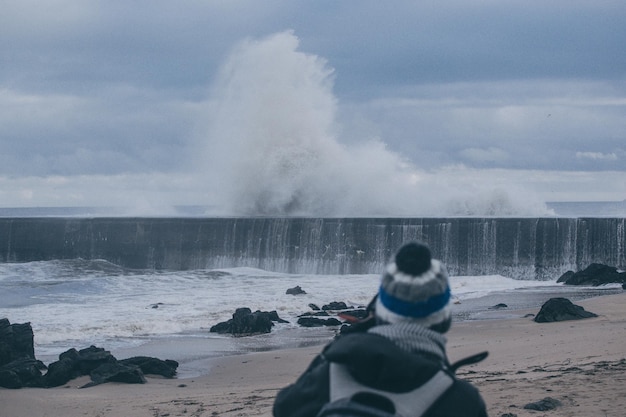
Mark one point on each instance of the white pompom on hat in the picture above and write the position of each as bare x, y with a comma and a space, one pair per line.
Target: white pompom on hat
415, 288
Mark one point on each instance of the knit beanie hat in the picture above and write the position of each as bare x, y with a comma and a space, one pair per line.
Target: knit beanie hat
415, 288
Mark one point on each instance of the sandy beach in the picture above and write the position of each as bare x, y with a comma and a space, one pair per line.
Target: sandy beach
582, 364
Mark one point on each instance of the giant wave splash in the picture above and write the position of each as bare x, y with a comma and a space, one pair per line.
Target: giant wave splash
274, 147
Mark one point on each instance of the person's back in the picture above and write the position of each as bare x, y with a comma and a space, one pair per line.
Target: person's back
404, 352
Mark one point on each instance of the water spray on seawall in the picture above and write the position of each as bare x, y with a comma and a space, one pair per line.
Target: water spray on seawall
273, 149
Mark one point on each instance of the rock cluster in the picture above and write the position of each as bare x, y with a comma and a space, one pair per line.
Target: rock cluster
246, 323
595, 274
19, 367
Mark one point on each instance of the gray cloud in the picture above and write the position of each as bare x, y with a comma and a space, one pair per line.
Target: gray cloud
114, 88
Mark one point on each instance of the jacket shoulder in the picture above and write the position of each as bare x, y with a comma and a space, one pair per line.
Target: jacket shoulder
461, 400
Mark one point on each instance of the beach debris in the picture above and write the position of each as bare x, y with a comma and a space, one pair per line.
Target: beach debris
595, 274
247, 323
546, 404
561, 309
295, 290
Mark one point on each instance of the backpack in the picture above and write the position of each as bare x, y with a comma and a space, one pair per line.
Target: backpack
350, 398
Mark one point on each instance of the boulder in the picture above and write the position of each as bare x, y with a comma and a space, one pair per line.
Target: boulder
22, 372
115, 372
153, 366
74, 363
317, 322
295, 290
273, 315
60, 372
315, 314
89, 358
335, 305
595, 275
567, 275
16, 341
245, 322
561, 309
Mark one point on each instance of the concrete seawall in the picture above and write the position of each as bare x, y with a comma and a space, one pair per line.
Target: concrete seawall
524, 248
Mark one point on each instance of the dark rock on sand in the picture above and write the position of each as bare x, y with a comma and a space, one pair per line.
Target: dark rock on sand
103, 367
314, 307
153, 366
74, 363
19, 368
18, 365
116, 372
16, 341
498, 306
22, 372
561, 309
546, 404
595, 275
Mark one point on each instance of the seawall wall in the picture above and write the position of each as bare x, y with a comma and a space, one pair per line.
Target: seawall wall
523, 248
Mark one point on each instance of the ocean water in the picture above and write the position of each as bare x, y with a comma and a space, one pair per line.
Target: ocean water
78, 303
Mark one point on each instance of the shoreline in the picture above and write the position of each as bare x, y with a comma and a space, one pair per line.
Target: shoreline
194, 353
580, 363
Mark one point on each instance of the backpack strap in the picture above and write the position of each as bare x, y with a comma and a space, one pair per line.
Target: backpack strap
408, 404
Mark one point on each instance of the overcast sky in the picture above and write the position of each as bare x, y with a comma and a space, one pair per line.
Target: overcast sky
110, 102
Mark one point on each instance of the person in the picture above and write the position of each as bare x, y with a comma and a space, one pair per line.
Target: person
402, 351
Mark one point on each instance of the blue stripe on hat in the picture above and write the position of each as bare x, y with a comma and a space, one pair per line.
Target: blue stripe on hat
418, 309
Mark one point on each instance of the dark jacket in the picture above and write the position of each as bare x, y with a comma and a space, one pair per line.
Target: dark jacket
377, 361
